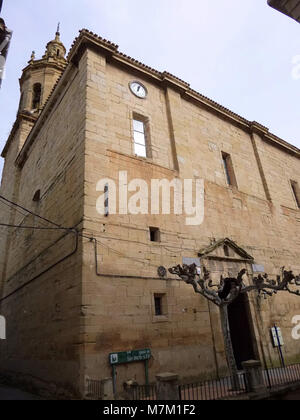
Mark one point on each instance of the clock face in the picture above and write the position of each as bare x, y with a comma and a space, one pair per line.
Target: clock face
138, 89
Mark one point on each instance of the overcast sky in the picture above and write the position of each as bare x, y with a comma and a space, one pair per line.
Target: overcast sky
239, 53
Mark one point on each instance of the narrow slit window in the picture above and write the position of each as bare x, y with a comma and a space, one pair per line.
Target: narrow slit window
226, 251
37, 196
158, 303
229, 171
296, 191
139, 136
106, 202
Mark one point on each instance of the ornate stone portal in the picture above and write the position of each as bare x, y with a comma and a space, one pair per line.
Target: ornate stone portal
226, 284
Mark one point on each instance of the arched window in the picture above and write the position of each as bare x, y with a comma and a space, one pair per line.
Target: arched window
36, 95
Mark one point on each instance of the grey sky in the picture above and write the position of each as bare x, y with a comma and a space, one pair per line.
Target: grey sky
238, 53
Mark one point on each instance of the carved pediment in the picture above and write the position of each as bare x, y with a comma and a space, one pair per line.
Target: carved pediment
225, 249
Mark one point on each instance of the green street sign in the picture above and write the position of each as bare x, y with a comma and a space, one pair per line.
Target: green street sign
129, 357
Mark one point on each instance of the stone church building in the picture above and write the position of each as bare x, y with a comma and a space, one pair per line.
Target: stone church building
77, 285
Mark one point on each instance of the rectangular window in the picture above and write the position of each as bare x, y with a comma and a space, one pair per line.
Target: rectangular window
154, 234
229, 171
296, 191
160, 304
140, 138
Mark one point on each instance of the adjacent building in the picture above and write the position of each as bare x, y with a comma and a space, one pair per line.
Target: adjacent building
290, 8
95, 284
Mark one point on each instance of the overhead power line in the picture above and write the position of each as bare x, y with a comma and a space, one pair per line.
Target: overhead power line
32, 227
73, 230
76, 232
29, 211
13, 208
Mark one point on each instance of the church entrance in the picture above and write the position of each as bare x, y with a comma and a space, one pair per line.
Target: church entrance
241, 330
227, 259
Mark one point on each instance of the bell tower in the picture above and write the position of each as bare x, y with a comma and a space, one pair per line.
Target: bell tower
40, 76
36, 84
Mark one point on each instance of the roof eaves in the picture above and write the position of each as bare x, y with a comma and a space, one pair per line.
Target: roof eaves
168, 78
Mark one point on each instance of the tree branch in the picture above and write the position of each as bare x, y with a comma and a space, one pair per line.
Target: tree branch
230, 288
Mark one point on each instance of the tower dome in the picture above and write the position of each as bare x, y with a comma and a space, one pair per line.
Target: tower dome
55, 49
40, 76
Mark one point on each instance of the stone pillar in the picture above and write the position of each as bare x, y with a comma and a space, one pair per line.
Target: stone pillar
107, 392
254, 376
167, 387
129, 389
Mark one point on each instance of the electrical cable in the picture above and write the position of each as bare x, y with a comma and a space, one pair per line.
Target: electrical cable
74, 230
31, 227
18, 211
43, 272
29, 211
13, 208
123, 255
119, 276
59, 226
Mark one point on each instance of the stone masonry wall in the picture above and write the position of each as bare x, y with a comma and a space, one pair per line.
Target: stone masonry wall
119, 312
42, 311
64, 323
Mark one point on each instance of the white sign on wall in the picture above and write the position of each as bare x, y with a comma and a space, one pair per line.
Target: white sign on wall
277, 337
258, 268
2, 328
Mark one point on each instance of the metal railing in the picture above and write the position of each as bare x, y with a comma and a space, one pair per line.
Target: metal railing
226, 387
144, 393
275, 377
213, 389
94, 390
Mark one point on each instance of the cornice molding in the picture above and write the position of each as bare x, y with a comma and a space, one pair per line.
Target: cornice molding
43, 63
